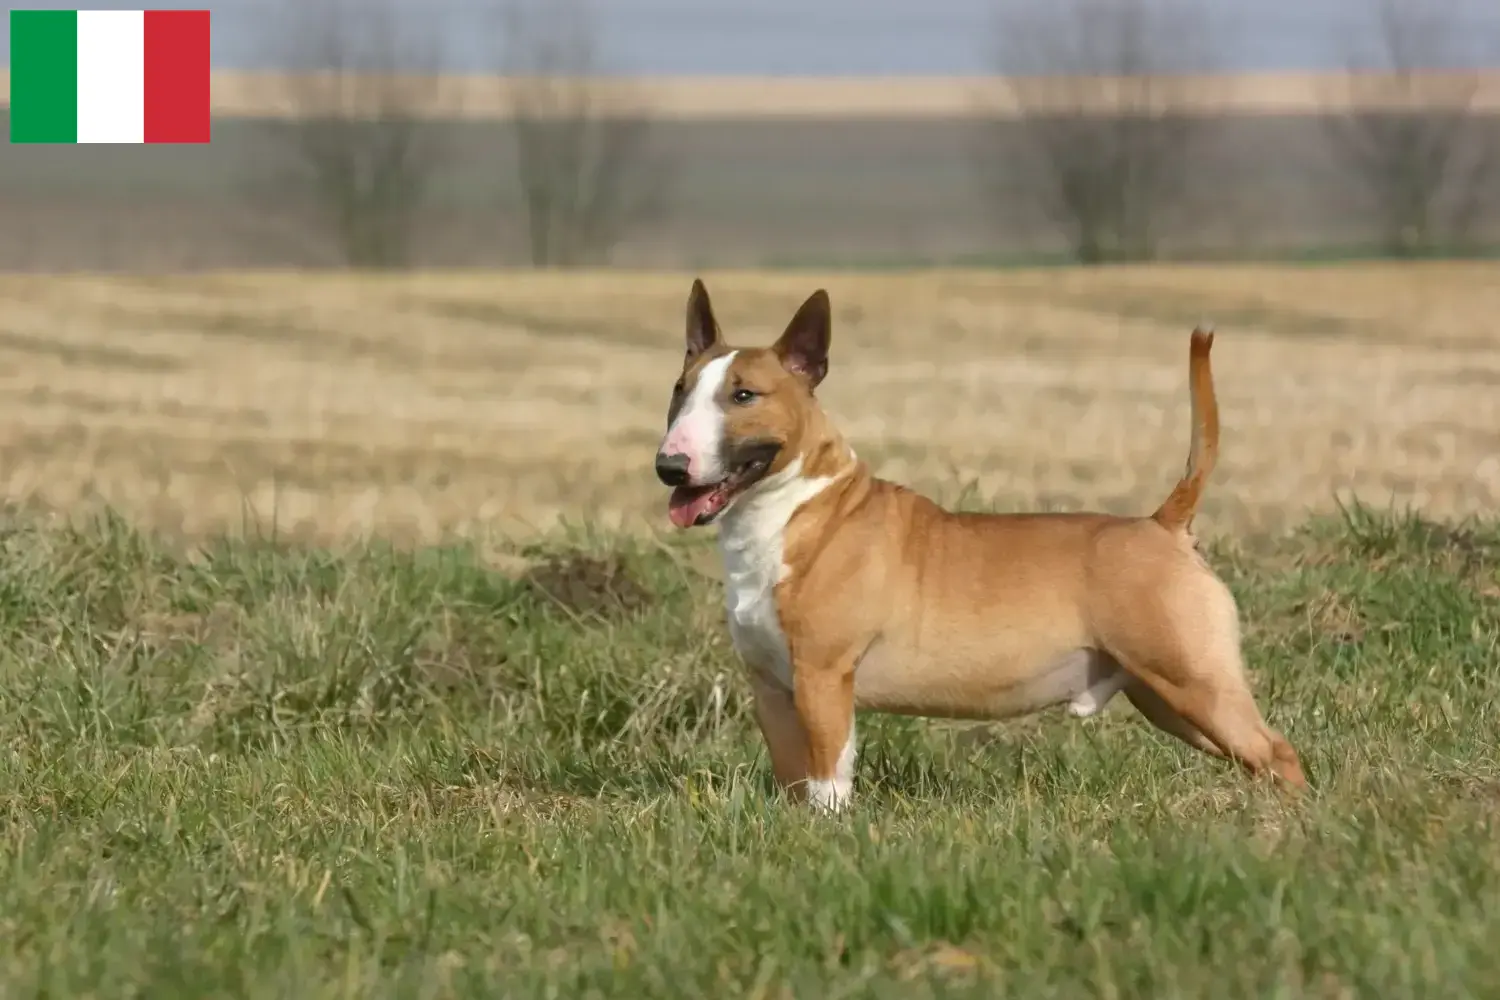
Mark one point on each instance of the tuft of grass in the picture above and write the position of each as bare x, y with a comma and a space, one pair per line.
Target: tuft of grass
258, 769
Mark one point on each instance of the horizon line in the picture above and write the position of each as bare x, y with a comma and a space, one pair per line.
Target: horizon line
460, 96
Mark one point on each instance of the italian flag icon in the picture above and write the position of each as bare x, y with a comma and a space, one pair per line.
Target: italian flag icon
109, 76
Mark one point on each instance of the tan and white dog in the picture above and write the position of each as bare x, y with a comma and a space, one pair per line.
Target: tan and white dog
845, 591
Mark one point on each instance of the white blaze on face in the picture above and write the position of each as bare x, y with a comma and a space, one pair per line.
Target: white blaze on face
698, 431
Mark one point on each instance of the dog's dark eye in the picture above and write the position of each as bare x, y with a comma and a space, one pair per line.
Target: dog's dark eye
677, 389
742, 396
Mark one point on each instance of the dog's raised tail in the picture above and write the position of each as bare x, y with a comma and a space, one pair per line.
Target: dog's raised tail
1177, 510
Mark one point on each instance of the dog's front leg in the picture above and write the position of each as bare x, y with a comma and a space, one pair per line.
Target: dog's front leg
786, 742
824, 696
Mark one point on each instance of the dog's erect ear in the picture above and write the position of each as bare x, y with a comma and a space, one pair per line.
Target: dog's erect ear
702, 328
803, 348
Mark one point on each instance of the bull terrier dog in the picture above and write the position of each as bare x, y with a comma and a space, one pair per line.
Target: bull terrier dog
848, 592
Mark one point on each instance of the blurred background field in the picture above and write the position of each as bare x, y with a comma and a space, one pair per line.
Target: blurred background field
563, 133
422, 406
427, 279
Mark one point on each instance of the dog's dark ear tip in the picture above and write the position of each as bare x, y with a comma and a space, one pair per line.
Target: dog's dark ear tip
702, 327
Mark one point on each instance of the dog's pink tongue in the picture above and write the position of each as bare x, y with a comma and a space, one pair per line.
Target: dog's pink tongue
687, 503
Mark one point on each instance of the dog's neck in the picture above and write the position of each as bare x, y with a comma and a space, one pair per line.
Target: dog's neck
757, 521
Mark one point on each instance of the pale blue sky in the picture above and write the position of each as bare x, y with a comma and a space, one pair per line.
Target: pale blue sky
831, 37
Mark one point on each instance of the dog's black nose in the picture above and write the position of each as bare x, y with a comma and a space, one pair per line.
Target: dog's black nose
672, 469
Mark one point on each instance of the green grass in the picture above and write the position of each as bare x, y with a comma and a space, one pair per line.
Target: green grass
252, 770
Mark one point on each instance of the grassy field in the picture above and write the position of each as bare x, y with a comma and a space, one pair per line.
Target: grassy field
420, 408
253, 770
460, 722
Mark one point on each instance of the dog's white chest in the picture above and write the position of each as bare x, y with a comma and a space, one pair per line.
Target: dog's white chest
750, 578
751, 539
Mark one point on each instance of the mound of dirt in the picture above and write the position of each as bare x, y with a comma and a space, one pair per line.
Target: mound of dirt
586, 585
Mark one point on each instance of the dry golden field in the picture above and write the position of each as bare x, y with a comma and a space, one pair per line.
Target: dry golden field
431, 405
487, 96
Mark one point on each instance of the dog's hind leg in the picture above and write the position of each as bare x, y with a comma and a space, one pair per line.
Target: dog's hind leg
1225, 712
1189, 659
1163, 717
1211, 696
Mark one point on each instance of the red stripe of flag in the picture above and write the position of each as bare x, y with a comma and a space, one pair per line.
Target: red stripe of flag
177, 75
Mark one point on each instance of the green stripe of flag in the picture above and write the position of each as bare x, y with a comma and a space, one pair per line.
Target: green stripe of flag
43, 76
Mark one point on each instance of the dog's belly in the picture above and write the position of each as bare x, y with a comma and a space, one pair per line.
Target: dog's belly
1083, 679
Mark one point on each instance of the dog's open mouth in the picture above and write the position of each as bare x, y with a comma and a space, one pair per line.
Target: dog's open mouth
691, 506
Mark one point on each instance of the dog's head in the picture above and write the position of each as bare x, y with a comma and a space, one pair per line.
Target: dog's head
738, 416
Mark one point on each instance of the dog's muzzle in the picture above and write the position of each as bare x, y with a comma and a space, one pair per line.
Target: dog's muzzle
672, 470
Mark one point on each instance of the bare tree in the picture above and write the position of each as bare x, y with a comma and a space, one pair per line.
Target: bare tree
1094, 93
359, 147
1410, 134
585, 162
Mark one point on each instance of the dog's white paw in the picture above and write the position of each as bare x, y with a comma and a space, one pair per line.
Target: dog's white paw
830, 796
1091, 700
1084, 706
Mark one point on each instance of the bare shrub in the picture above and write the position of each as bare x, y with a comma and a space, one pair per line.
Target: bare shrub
586, 165
1408, 131
358, 147
1094, 93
